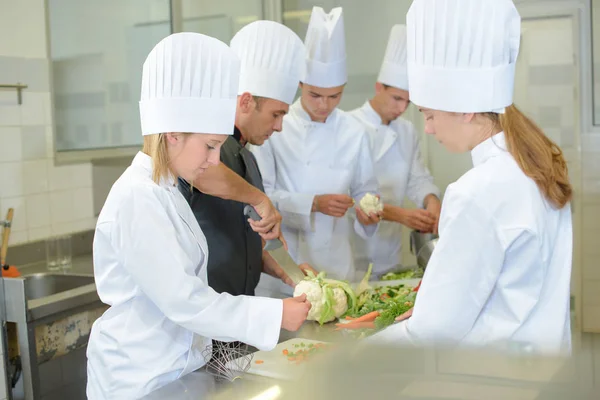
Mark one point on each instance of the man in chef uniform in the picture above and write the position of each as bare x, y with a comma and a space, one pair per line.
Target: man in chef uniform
398, 166
271, 58
500, 274
320, 164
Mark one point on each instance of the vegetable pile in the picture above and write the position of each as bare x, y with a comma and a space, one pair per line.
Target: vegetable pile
363, 309
380, 306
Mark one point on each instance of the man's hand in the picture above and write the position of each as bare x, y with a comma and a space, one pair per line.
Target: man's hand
306, 268
277, 272
334, 205
371, 219
434, 206
269, 227
272, 268
421, 220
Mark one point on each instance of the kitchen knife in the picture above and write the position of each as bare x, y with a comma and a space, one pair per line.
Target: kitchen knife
275, 248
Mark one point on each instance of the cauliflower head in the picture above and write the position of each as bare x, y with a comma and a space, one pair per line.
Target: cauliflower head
371, 204
340, 302
329, 298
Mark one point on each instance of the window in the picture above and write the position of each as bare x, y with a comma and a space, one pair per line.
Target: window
97, 50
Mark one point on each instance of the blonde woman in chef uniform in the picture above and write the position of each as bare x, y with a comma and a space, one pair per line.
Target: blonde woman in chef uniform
319, 165
500, 273
150, 254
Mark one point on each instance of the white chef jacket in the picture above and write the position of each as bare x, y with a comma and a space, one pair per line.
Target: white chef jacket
150, 258
310, 158
400, 173
500, 272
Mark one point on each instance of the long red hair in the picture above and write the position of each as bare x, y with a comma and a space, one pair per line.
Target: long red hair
539, 157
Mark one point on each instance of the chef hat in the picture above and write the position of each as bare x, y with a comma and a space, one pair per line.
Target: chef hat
189, 84
326, 49
462, 54
272, 57
393, 70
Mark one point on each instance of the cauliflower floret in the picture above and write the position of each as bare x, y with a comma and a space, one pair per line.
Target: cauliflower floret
341, 302
371, 204
314, 294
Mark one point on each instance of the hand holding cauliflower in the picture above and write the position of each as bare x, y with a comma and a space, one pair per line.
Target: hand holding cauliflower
330, 298
371, 204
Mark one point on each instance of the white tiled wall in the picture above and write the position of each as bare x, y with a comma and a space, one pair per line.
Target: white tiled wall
47, 199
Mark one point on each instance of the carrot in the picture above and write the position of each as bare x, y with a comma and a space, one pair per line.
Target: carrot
259, 361
367, 317
357, 325
285, 352
418, 286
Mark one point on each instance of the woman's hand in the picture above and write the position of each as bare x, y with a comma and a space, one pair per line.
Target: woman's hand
295, 311
404, 316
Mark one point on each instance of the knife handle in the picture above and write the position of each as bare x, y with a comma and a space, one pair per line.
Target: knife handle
250, 212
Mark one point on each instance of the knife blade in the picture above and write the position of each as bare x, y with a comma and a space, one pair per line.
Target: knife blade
275, 248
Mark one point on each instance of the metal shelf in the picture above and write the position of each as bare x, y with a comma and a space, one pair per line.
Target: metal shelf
19, 87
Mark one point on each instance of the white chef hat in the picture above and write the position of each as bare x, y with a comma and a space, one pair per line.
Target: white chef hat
189, 84
393, 69
462, 54
273, 60
326, 49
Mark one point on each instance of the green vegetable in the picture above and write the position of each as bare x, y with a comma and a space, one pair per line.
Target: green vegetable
409, 274
394, 310
327, 313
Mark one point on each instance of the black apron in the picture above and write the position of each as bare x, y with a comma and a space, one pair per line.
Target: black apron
234, 249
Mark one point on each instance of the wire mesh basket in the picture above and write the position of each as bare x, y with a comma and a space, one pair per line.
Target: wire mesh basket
227, 360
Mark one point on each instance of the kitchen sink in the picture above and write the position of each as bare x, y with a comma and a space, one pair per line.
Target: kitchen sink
53, 313
46, 284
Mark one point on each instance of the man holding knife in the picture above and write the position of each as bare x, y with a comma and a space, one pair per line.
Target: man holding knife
272, 60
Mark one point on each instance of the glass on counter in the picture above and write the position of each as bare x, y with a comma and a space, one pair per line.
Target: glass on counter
59, 253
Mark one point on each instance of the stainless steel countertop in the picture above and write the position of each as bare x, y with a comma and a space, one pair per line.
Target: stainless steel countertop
407, 374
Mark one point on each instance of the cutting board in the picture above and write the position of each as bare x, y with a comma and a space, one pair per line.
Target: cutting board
276, 365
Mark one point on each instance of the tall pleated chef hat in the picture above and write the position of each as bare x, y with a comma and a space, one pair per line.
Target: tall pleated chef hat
273, 60
393, 69
462, 54
189, 85
326, 49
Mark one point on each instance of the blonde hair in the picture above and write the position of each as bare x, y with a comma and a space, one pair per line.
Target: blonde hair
156, 147
538, 157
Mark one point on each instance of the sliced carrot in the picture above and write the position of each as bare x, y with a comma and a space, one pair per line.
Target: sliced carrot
285, 352
367, 317
259, 362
